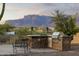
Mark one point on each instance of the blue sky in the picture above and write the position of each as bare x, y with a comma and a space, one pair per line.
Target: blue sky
18, 10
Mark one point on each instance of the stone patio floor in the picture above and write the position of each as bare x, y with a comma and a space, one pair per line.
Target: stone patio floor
7, 50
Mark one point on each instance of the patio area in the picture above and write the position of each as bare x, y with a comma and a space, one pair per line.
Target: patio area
7, 50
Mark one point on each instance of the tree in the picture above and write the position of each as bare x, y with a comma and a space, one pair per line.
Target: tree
2, 12
65, 24
22, 31
5, 28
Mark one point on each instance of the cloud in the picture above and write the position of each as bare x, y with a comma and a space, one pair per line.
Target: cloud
18, 10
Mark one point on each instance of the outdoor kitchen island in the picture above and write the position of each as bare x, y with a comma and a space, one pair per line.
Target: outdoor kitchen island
40, 41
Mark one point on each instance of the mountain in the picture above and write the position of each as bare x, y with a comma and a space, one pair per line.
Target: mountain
31, 20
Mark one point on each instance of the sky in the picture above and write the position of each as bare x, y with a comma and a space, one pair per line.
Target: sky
19, 10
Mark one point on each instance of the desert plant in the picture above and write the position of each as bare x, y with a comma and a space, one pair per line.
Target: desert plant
4, 28
65, 24
22, 31
2, 12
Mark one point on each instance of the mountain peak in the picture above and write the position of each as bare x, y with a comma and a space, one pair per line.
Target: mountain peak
32, 20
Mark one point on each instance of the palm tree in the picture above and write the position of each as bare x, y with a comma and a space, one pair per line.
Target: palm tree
2, 12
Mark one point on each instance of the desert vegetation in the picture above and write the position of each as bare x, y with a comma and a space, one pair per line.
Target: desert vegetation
65, 23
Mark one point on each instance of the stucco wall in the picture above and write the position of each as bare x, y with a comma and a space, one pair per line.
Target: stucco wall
76, 39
